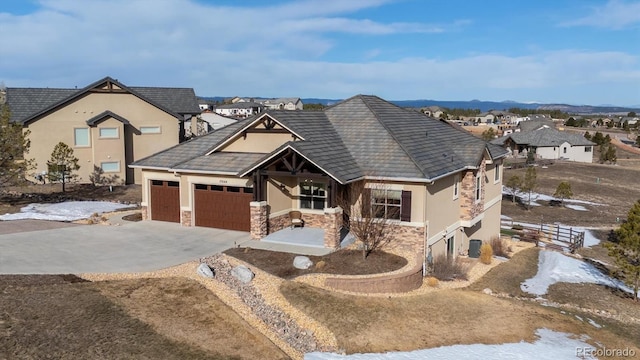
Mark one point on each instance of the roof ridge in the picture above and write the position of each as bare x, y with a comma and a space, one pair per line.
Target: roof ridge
391, 133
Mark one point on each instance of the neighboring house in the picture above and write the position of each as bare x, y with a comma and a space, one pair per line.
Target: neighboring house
283, 104
240, 109
548, 143
217, 121
486, 118
205, 104
433, 111
248, 176
107, 124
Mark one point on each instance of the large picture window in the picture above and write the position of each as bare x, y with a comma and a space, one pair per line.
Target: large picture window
313, 195
81, 137
386, 204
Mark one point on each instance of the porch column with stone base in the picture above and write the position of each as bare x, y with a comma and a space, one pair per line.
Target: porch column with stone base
332, 227
259, 220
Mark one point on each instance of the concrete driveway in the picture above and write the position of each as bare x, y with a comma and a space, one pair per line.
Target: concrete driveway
130, 247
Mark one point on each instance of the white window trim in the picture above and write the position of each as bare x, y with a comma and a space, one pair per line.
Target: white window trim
456, 186
497, 176
110, 162
75, 139
478, 188
151, 132
100, 136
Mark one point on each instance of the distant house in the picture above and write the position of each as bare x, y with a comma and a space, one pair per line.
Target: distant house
240, 109
548, 143
205, 104
433, 111
486, 118
283, 104
107, 124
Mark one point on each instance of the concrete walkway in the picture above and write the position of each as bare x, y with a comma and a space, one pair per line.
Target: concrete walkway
122, 247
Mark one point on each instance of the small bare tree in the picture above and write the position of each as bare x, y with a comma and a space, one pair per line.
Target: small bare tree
371, 213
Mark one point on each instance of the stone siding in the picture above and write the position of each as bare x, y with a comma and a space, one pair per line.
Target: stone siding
144, 212
185, 218
332, 226
469, 208
259, 220
407, 240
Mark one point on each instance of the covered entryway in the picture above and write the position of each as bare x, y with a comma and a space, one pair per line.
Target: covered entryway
224, 207
165, 200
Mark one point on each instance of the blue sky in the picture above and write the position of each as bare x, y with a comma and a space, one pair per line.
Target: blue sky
563, 51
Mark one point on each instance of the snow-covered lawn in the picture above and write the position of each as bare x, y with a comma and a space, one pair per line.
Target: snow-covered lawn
535, 197
64, 211
551, 345
555, 267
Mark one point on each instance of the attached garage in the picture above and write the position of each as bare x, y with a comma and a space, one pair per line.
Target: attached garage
165, 200
224, 207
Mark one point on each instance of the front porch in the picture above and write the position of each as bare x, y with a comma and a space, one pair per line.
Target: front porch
299, 240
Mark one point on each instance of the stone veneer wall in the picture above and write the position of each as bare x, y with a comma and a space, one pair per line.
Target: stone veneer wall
280, 222
407, 240
259, 219
332, 226
185, 218
144, 212
469, 208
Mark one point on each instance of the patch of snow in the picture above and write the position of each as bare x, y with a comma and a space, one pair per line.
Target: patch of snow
594, 324
578, 317
576, 207
542, 197
555, 267
550, 345
64, 211
505, 217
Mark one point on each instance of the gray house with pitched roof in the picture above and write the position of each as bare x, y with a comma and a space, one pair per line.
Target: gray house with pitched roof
443, 183
548, 143
108, 124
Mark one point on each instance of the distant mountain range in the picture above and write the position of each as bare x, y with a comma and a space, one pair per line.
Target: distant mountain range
486, 105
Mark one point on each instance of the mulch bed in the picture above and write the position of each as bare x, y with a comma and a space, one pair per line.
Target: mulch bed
342, 262
133, 217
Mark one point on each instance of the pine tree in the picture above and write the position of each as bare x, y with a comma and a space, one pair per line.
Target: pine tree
62, 164
14, 143
514, 184
563, 191
626, 252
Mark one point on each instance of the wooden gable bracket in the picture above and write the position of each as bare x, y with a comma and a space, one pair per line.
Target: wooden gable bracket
268, 123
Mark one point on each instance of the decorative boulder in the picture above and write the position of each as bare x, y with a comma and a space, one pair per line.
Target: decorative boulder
242, 273
205, 271
302, 262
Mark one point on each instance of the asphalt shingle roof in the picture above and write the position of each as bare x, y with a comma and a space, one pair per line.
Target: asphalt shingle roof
26, 103
361, 136
545, 137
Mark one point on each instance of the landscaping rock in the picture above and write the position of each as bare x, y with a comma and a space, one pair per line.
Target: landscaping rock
487, 291
205, 271
302, 262
243, 274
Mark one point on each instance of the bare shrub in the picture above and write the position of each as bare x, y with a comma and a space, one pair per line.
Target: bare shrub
432, 281
486, 253
446, 268
321, 264
500, 247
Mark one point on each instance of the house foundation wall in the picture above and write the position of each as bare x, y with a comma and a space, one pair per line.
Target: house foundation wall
185, 218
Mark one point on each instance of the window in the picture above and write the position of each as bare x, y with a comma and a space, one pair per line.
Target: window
81, 137
386, 203
587, 149
456, 186
564, 150
312, 195
451, 246
108, 133
110, 166
496, 177
478, 186
150, 129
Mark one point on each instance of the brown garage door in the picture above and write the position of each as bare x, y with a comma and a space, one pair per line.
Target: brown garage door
224, 207
165, 200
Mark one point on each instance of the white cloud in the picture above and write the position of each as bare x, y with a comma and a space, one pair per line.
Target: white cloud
614, 15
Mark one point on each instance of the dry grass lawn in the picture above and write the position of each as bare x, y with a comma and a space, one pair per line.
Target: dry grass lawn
467, 316
61, 317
